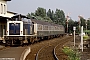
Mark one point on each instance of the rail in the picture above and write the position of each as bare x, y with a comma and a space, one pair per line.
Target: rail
38, 53
56, 47
41, 49
55, 53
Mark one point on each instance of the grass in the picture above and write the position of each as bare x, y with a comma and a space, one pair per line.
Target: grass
86, 37
72, 54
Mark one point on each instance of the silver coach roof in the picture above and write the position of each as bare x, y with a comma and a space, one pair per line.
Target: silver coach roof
44, 23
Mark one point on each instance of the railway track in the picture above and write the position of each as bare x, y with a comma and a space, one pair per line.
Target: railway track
58, 50
45, 53
48, 52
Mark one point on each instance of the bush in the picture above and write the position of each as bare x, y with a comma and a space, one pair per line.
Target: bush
73, 55
86, 37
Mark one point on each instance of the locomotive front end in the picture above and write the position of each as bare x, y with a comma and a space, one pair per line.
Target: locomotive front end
14, 32
19, 30
14, 29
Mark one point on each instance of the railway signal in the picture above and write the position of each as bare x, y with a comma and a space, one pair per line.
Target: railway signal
67, 19
79, 22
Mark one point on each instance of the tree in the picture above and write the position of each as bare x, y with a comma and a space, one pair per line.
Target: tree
52, 18
40, 12
82, 22
32, 14
50, 14
59, 17
76, 24
88, 24
70, 25
28, 15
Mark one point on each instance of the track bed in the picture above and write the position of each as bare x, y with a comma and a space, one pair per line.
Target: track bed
47, 46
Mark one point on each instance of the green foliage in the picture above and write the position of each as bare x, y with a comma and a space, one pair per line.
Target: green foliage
39, 18
73, 55
88, 24
71, 24
87, 31
76, 24
29, 15
82, 22
47, 19
59, 17
40, 12
44, 18
50, 14
86, 37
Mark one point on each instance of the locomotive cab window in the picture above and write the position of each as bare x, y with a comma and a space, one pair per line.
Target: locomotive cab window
14, 28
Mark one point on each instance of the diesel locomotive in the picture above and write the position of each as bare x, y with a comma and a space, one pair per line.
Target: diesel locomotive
22, 30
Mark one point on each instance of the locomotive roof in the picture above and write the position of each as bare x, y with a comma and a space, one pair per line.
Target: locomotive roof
44, 23
19, 15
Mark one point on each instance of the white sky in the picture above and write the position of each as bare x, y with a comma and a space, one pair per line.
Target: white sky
74, 7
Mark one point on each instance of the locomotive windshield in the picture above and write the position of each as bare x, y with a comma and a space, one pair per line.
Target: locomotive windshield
14, 28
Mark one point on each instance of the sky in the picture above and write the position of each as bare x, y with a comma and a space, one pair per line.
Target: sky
72, 7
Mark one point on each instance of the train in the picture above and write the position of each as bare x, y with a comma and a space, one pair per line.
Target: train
23, 30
